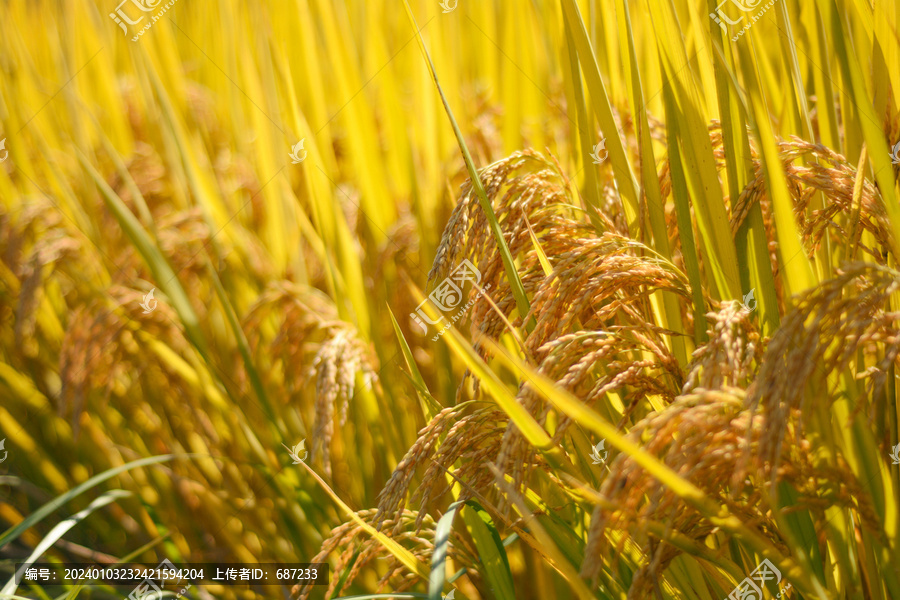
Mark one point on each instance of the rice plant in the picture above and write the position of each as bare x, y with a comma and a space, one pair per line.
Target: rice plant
482, 300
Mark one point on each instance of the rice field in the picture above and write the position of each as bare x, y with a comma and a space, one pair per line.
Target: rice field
498, 300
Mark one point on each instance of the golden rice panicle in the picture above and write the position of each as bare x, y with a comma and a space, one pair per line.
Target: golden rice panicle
707, 437
310, 344
598, 284
595, 334
470, 439
472, 442
701, 437
820, 170
102, 347
335, 367
393, 496
850, 307
524, 187
284, 328
730, 357
49, 256
411, 530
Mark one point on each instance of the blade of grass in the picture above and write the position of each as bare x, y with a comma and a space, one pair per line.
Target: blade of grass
627, 183
159, 266
531, 429
37, 516
546, 267
538, 537
681, 198
406, 557
429, 405
518, 290
60, 530
244, 349
592, 191
702, 178
650, 181
491, 552
751, 243
799, 274
879, 154
439, 555
798, 96
826, 105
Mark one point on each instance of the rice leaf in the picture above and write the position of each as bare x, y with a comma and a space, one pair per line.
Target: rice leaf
491, 552
650, 180
429, 405
702, 179
879, 153
624, 174
162, 272
512, 275
40, 514
800, 275
60, 530
439, 554
406, 557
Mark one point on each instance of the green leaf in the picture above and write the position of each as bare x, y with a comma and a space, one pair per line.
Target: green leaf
618, 156
439, 554
702, 178
58, 531
430, 406
799, 274
879, 153
38, 515
515, 283
683, 217
751, 243
407, 558
166, 278
490, 551
671, 317
244, 349
799, 522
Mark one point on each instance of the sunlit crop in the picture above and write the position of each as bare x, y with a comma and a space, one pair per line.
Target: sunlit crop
487, 300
